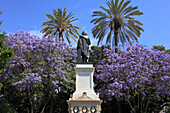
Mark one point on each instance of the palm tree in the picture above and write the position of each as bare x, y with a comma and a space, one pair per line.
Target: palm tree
0, 21
117, 22
60, 24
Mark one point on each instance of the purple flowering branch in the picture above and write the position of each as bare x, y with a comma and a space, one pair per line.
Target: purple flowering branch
39, 63
134, 73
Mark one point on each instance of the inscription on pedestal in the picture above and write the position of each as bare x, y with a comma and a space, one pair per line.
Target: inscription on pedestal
83, 82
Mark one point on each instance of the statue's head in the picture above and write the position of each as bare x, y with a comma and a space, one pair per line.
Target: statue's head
84, 33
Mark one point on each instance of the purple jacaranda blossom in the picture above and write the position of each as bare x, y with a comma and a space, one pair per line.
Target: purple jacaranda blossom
133, 71
39, 66
39, 60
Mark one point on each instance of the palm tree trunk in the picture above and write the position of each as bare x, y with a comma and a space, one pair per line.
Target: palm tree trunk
60, 36
116, 40
116, 51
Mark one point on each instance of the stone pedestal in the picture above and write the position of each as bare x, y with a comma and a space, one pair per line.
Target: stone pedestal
84, 99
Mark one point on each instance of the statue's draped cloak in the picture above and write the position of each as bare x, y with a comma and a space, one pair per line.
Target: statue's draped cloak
83, 44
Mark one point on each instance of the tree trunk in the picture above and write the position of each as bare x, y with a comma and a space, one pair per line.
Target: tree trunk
51, 105
116, 40
42, 111
60, 36
119, 106
49, 98
30, 102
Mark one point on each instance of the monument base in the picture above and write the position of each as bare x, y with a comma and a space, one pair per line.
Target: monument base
84, 104
84, 99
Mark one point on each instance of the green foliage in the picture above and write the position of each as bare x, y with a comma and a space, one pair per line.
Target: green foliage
16, 97
167, 51
97, 54
6, 107
60, 24
160, 48
5, 55
157, 102
167, 110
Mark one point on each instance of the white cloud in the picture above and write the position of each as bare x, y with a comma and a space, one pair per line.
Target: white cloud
36, 32
79, 4
93, 42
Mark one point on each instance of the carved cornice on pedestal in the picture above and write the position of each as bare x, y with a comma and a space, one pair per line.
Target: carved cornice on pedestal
84, 97
84, 68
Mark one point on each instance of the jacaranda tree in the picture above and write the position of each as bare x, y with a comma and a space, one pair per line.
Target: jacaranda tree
117, 24
60, 25
135, 75
41, 68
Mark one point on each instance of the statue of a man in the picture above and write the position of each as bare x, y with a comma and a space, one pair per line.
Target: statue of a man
83, 48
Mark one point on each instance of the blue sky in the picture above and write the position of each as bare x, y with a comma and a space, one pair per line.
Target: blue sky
29, 15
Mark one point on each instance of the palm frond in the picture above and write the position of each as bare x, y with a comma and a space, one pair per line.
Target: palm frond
128, 10
70, 19
67, 37
50, 17
119, 17
98, 20
64, 12
68, 16
75, 36
139, 28
128, 17
116, 3
99, 27
108, 39
114, 8
120, 5
56, 33
55, 13
105, 10
122, 37
101, 34
131, 35
111, 7
127, 37
46, 29
1, 22
124, 6
135, 13
136, 21
133, 29
73, 20
45, 23
61, 25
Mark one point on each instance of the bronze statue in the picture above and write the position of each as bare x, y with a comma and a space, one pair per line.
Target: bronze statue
83, 48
